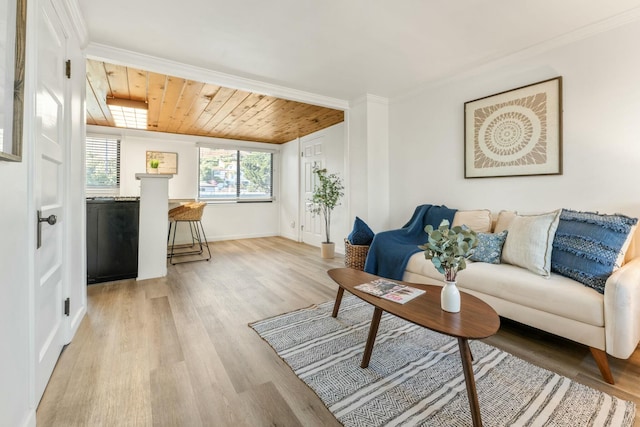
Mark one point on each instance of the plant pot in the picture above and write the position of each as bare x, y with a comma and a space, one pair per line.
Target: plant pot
154, 170
450, 297
328, 250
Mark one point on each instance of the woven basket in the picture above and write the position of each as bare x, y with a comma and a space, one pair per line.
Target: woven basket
188, 212
355, 255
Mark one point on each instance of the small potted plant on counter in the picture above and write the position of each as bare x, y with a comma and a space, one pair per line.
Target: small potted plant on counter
153, 164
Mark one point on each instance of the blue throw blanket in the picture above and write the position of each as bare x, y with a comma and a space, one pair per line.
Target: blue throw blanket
390, 250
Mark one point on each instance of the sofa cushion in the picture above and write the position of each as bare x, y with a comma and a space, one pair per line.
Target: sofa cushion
489, 247
503, 221
530, 241
418, 264
589, 246
557, 294
361, 233
478, 220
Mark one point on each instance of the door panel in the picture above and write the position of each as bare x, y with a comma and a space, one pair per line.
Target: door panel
313, 155
49, 195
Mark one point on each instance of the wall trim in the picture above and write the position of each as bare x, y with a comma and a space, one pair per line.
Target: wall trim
30, 419
369, 98
95, 130
77, 21
241, 236
503, 58
151, 63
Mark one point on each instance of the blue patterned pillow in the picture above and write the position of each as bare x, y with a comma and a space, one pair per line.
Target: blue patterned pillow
489, 247
587, 245
361, 233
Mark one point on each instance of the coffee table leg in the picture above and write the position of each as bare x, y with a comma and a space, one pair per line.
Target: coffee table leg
467, 367
336, 305
373, 331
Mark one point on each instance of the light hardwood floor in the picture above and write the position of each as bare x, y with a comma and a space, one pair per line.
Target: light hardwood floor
177, 351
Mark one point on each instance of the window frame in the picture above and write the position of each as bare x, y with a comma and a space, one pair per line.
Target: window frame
238, 198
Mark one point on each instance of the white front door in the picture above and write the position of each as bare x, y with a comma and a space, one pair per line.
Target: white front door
48, 192
312, 226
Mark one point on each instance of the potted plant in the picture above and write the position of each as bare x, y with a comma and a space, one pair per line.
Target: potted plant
326, 196
448, 249
154, 163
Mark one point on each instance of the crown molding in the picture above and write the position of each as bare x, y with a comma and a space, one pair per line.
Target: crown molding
369, 98
504, 58
165, 66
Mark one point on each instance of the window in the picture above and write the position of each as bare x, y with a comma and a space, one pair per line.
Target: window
235, 175
103, 164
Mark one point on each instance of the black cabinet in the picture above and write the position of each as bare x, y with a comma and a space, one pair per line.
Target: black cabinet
112, 240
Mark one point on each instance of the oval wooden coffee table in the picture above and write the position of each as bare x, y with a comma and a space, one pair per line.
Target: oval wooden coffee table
476, 320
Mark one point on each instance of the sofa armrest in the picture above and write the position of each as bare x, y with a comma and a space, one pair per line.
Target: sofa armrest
622, 310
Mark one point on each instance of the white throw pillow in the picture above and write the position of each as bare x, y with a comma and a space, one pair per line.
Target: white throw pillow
530, 241
478, 220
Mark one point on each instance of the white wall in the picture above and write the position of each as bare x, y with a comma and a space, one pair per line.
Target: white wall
368, 161
601, 129
221, 221
14, 304
290, 190
133, 152
357, 157
378, 162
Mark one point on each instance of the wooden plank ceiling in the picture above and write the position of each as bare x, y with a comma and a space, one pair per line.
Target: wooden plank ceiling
188, 107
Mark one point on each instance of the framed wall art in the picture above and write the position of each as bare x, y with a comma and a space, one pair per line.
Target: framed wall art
515, 133
13, 18
161, 162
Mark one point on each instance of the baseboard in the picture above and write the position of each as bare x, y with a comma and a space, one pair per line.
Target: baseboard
290, 236
239, 236
75, 322
30, 419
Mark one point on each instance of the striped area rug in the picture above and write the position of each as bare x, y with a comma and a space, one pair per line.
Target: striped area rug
415, 375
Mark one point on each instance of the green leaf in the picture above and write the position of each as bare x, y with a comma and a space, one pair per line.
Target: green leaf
448, 248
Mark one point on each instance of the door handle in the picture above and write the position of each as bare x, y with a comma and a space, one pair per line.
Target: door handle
51, 220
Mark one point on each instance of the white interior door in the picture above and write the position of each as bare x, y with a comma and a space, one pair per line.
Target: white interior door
48, 185
312, 155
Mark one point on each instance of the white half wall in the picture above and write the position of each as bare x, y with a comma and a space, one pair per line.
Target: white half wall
601, 100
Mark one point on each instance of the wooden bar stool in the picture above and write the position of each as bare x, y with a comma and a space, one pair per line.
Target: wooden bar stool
190, 213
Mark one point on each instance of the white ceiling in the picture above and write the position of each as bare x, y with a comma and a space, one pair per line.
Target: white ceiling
341, 48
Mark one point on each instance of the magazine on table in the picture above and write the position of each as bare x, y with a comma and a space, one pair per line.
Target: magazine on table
389, 290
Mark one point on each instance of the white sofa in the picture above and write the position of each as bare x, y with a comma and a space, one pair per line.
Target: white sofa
608, 324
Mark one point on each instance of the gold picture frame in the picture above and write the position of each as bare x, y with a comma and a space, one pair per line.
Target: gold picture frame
167, 163
13, 18
515, 133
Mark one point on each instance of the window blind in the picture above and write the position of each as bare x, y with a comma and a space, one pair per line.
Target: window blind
103, 162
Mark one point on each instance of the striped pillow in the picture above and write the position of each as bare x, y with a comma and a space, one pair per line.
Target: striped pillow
587, 246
